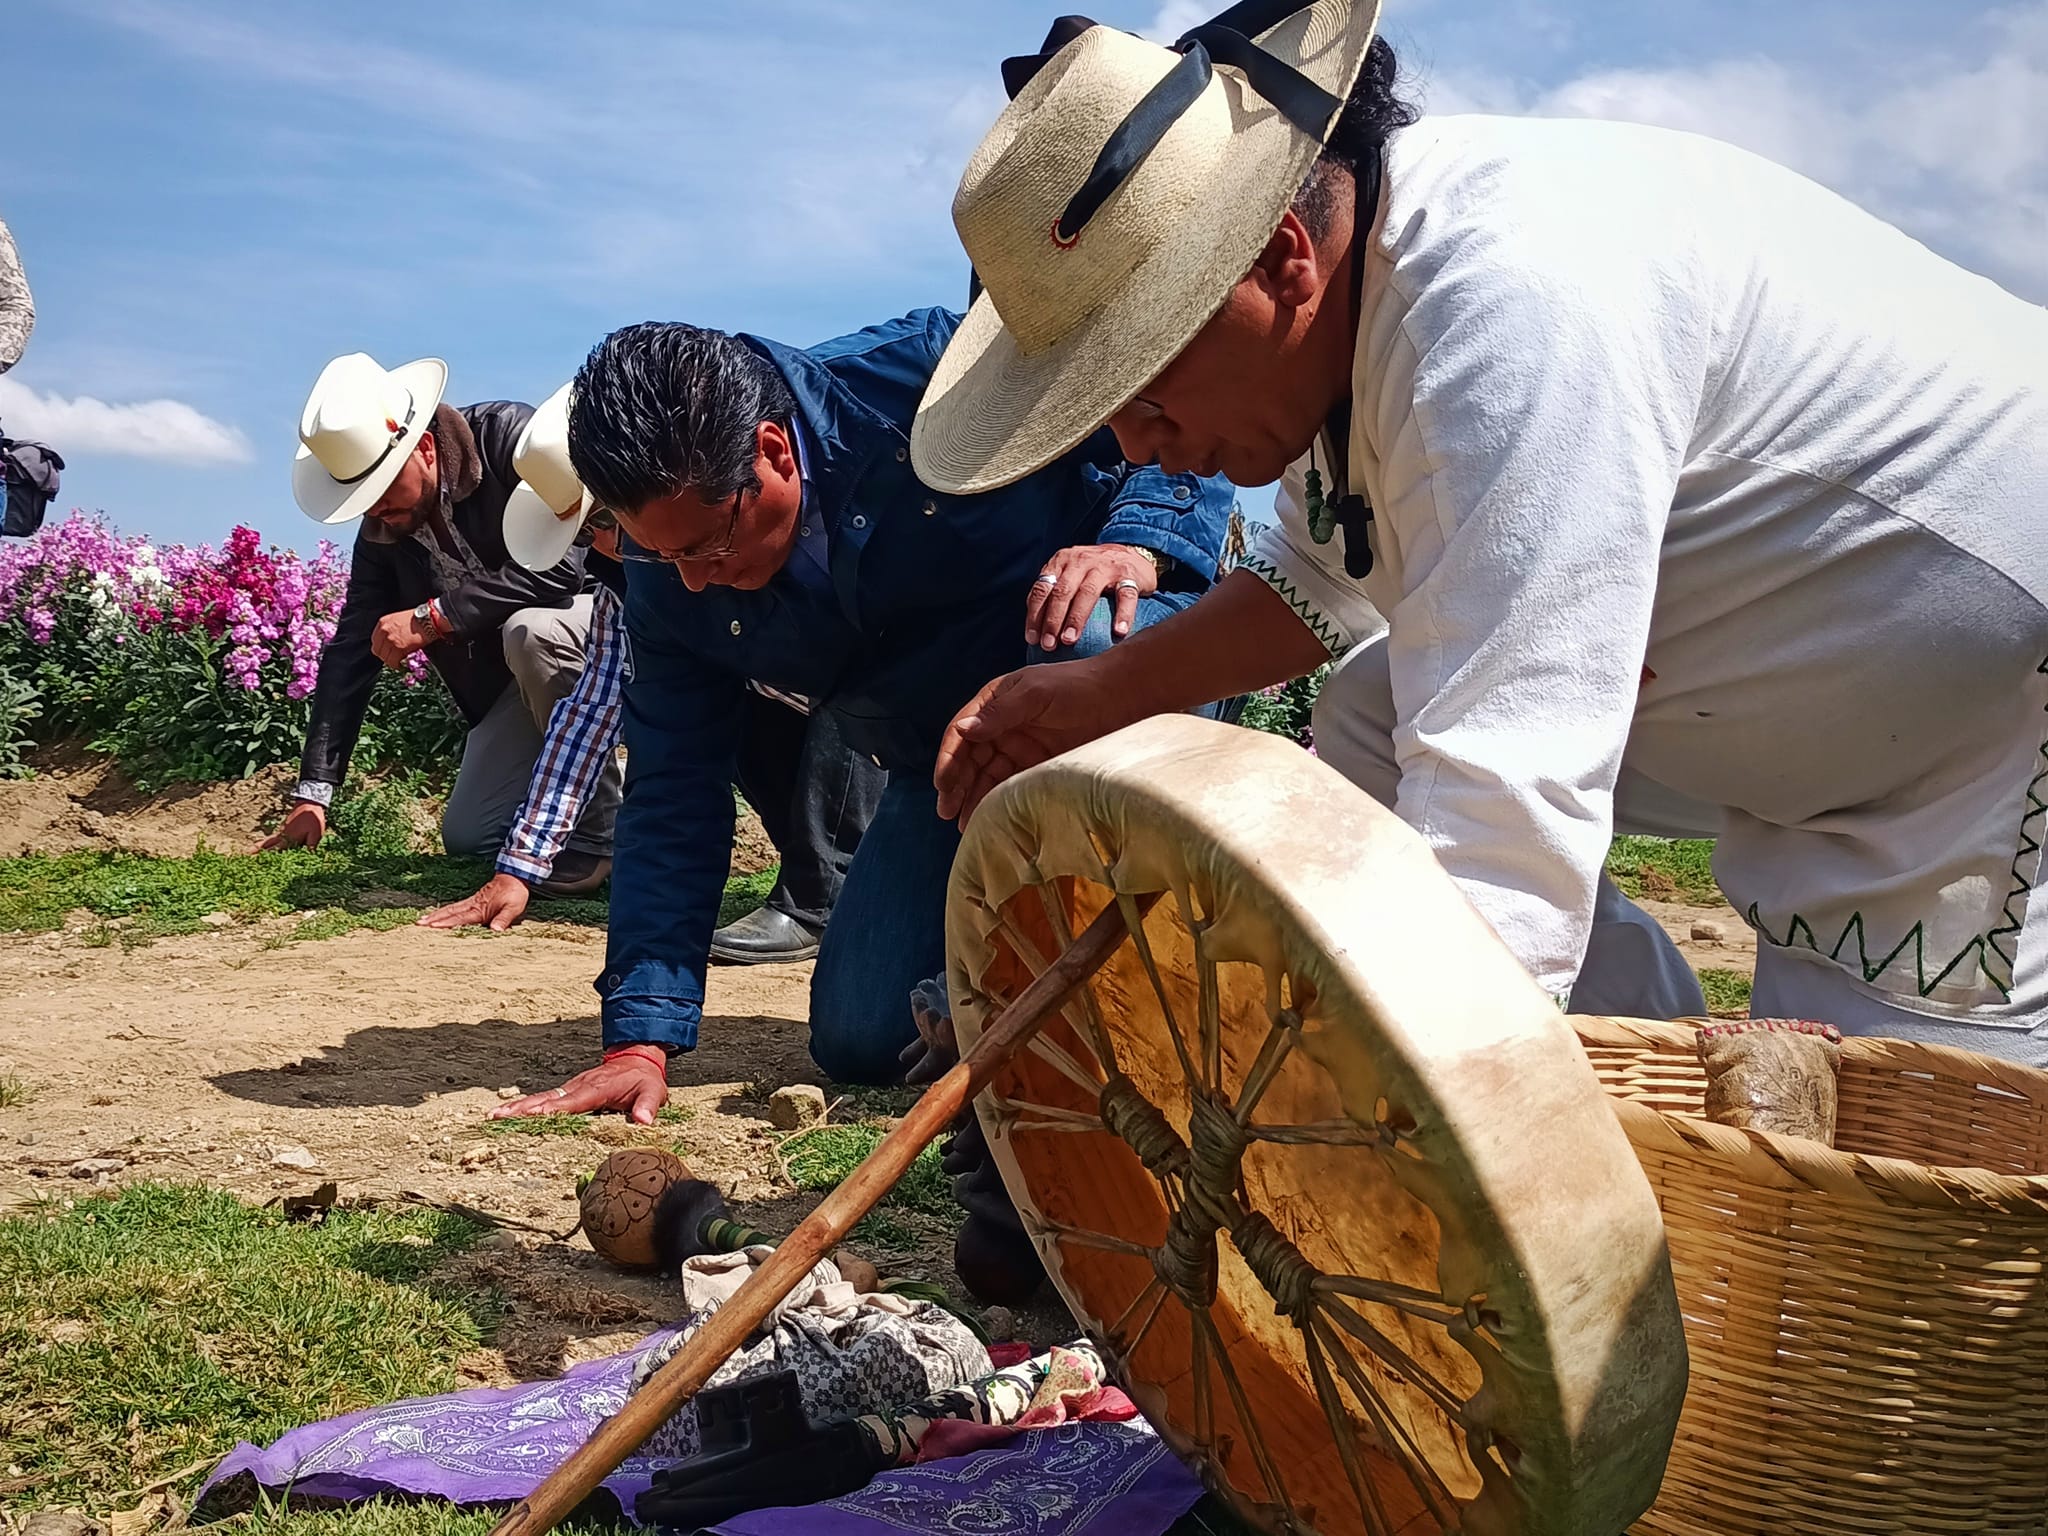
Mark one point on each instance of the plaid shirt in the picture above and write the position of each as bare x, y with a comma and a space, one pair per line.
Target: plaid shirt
583, 732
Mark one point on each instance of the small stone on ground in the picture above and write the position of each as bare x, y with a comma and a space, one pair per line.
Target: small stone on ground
794, 1107
293, 1157
1707, 933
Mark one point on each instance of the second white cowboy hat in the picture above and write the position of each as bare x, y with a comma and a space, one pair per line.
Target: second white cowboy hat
547, 508
1110, 212
360, 425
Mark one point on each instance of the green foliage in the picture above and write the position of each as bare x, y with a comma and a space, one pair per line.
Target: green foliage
376, 820
746, 893
169, 710
343, 889
820, 1159
67, 672
14, 1092
1727, 992
147, 1331
393, 1517
1665, 869
19, 709
1285, 710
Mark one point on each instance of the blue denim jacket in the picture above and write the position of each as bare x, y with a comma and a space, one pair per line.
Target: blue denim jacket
925, 604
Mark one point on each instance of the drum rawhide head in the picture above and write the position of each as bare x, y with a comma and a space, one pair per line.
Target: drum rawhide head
1326, 1174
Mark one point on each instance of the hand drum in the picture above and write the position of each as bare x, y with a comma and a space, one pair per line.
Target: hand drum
1310, 1155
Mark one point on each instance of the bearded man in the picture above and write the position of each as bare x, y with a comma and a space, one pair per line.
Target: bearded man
431, 574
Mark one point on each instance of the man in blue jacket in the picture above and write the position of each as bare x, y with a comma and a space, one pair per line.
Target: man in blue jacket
780, 534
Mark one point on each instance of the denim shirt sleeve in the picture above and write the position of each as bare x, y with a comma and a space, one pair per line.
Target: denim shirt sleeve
674, 835
1183, 517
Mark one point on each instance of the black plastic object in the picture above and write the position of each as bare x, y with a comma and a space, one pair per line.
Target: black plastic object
758, 1452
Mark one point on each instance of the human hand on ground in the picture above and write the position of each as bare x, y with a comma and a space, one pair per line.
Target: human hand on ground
499, 903
633, 1078
1057, 610
1017, 722
397, 636
303, 827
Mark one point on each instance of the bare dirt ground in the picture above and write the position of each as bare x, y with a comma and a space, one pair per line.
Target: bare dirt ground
373, 1059
80, 802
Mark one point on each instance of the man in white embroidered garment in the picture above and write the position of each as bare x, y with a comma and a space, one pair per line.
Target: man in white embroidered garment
1696, 500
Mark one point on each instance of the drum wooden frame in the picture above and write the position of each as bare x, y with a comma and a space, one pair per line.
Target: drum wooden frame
1331, 1180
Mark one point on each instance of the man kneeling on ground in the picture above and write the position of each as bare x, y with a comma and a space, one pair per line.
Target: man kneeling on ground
813, 794
779, 534
431, 573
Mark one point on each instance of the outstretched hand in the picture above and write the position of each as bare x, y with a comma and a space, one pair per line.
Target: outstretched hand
1017, 722
498, 904
634, 1080
303, 827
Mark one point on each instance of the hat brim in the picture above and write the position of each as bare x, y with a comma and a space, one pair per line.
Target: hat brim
534, 536
993, 413
328, 500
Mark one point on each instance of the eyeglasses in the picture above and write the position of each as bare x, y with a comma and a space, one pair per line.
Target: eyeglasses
597, 520
720, 550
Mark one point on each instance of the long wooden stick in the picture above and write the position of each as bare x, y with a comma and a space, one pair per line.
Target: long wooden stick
780, 1273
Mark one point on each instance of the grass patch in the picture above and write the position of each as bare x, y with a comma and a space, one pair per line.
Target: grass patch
145, 1331
1665, 869
820, 1159
539, 1125
14, 1090
577, 1125
137, 898
391, 1517
1727, 992
745, 893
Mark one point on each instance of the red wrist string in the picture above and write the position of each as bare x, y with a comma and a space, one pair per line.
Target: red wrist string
653, 1053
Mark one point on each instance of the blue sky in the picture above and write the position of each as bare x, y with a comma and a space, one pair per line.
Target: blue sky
212, 199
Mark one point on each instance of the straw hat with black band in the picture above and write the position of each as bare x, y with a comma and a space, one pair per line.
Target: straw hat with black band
1111, 210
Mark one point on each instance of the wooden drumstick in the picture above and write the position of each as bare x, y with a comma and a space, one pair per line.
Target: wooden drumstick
780, 1273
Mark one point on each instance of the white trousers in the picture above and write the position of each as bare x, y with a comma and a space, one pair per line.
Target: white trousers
1632, 969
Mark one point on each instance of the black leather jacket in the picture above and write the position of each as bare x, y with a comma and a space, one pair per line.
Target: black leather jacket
389, 575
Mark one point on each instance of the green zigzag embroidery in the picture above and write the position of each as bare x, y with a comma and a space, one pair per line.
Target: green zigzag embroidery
1982, 948
1312, 616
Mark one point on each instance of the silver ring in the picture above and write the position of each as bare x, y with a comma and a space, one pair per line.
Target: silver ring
1046, 579
1127, 585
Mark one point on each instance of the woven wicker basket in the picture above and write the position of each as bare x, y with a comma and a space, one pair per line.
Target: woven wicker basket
1868, 1326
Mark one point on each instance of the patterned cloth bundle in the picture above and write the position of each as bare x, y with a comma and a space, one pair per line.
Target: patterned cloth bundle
1774, 1075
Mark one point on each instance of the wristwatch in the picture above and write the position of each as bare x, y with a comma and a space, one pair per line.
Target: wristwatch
426, 616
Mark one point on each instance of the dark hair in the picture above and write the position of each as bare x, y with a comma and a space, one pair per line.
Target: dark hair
1372, 114
662, 406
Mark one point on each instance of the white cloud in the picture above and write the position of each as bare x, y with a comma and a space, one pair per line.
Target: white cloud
168, 431
1176, 18
1956, 151
1757, 103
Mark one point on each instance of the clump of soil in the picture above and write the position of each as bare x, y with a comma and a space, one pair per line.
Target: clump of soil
77, 802
752, 852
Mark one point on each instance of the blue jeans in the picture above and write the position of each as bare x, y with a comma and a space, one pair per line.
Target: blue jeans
888, 931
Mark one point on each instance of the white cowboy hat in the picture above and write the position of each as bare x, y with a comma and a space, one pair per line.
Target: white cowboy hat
360, 425
548, 505
1110, 212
